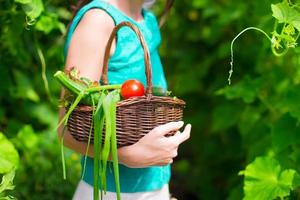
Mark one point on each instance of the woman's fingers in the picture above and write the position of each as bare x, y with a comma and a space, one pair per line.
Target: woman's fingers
179, 138
167, 128
154, 149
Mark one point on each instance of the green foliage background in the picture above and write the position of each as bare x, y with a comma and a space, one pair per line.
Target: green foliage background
257, 116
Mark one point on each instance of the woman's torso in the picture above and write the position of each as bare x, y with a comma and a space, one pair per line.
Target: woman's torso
127, 62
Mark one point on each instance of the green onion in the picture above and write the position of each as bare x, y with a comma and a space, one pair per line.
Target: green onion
98, 126
63, 161
114, 152
68, 83
105, 111
88, 144
106, 148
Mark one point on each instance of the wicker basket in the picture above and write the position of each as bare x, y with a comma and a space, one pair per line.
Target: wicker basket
135, 116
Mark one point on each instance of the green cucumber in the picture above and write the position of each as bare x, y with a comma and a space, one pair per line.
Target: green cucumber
81, 87
159, 91
68, 83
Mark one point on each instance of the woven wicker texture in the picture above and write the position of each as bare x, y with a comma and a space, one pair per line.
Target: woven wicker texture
135, 116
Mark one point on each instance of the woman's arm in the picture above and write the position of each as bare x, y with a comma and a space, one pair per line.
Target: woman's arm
86, 52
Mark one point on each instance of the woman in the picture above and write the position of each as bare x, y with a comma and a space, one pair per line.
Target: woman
144, 166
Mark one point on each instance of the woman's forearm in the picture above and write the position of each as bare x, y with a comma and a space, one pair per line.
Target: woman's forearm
70, 142
80, 147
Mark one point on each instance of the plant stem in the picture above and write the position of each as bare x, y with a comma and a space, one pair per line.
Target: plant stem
103, 87
279, 54
232, 43
43, 65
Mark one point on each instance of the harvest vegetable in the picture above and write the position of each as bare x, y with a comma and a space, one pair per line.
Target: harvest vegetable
159, 91
104, 100
132, 88
82, 86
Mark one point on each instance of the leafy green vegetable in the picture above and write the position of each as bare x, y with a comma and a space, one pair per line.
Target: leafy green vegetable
84, 89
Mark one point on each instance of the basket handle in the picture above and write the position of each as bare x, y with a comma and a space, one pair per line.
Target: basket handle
146, 55
163, 16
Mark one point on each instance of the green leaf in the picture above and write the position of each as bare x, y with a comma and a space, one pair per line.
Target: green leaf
24, 88
23, 1
249, 118
27, 137
265, 180
7, 182
32, 8
290, 102
49, 22
296, 182
43, 113
286, 14
9, 157
230, 113
279, 11
247, 89
285, 132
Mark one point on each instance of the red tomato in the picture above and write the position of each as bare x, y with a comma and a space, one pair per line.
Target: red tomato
132, 88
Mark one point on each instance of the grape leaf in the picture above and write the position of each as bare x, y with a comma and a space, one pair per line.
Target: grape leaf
247, 89
249, 118
285, 132
27, 137
24, 88
290, 102
32, 8
286, 14
48, 22
9, 157
266, 180
230, 115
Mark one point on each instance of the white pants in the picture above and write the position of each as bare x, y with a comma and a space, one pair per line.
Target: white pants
84, 191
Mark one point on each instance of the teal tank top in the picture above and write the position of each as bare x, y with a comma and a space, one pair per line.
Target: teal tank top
127, 62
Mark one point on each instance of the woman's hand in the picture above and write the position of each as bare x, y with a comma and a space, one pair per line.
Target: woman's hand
155, 149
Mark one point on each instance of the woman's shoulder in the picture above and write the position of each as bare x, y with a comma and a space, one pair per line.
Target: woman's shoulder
93, 24
97, 17
150, 16
95, 12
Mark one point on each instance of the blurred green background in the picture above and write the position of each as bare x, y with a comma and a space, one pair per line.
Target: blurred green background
257, 115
